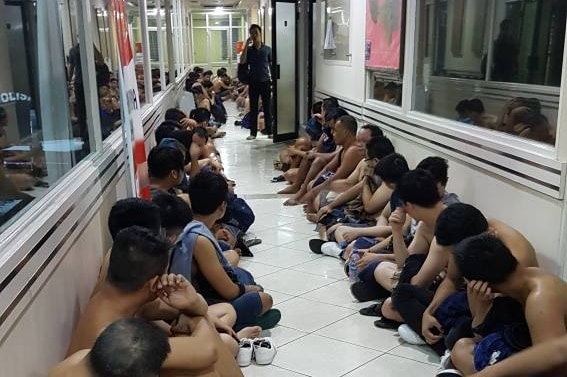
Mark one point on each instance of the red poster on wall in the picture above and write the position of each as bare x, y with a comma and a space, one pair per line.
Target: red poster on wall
131, 113
383, 34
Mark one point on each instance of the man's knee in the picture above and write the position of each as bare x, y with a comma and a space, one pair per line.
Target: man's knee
462, 351
267, 301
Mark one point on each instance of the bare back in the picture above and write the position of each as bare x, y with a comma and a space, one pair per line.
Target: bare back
73, 366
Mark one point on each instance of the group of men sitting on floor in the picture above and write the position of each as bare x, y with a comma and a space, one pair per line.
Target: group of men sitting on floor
442, 273
171, 299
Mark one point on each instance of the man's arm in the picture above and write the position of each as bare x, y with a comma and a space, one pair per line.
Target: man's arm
515, 241
447, 287
544, 315
211, 268
350, 160
437, 259
378, 199
342, 199
549, 357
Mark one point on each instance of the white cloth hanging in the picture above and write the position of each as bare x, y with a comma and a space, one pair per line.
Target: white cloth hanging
329, 37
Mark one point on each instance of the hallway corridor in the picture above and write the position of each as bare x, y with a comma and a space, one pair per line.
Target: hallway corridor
321, 333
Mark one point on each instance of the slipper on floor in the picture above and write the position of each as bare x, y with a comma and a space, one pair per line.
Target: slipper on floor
315, 245
253, 242
374, 310
385, 323
279, 178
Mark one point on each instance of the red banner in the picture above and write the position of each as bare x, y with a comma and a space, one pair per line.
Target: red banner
130, 103
383, 34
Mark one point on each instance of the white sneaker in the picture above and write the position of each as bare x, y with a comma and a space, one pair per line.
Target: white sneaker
264, 350
251, 137
245, 351
331, 249
410, 336
446, 361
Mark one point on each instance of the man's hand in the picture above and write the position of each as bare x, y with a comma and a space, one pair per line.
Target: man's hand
323, 211
351, 234
176, 291
222, 327
253, 288
397, 220
366, 257
185, 123
431, 329
480, 299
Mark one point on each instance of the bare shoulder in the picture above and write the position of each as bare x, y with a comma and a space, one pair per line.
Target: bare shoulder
518, 244
71, 366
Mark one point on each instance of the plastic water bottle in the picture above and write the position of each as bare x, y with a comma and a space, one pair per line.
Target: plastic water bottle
352, 269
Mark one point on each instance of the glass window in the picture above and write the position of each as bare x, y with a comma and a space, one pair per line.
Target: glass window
106, 65
218, 20
43, 125
503, 76
200, 46
384, 49
336, 34
237, 20
199, 20
237, 36
135, 26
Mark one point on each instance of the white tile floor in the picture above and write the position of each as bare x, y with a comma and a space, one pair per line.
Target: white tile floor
321, 332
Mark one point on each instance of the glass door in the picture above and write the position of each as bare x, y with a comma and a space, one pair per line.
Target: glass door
219, 48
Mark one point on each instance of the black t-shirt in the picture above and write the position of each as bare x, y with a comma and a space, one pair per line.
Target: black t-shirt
328, 143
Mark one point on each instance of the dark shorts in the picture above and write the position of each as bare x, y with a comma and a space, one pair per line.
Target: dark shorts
323, 178
248, 308
365, 242
366, 275
491, 350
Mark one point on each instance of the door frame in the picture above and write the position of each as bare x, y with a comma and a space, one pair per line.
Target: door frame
275, 74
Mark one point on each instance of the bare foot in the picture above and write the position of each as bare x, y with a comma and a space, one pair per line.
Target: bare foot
312, 217
289, 190
291, 202
249, 332
308, 208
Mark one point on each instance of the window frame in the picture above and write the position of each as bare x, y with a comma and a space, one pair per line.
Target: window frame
548, 157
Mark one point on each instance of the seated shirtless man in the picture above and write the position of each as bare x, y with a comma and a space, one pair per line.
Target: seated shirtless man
490, 269
341, 166
136, 277
134, 347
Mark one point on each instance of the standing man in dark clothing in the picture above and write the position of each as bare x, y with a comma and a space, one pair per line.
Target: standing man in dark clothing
258, 57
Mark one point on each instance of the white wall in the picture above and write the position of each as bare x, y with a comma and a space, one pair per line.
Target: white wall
538, 216
346, 79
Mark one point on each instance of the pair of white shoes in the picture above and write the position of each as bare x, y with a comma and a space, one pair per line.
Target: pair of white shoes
261, 350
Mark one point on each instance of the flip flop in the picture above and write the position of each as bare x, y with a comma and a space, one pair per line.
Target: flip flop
279, 178
315, 245
253, 242
374, 310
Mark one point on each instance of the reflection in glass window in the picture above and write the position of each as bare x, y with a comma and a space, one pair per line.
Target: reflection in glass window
135, 26
40, 141
386, 88
461, 56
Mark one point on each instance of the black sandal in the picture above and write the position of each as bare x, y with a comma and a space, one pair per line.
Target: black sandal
374, 310
315, 245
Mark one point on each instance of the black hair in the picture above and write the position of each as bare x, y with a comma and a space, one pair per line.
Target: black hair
418, 187
329, 103
391, 86
255, 26
184, 137
133, 211
391, 168
348, 123
201, 132
375, 131
162, 160
462, 106
197, 89
457, 222
207, 191
198, 70
164, 130
208, 73
207, 84
379, 147
221, 72
137, 256
200, 115
174, 114
484, 258
335, 113
437, 166
129, 347
175, 212
316, 107
476, 105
